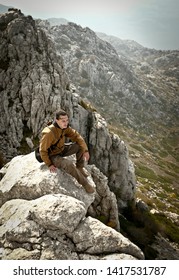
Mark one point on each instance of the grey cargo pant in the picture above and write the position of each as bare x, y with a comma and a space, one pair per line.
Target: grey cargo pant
63, 163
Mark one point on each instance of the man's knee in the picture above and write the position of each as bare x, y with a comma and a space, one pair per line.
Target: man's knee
66, 164
61, 162
76, 148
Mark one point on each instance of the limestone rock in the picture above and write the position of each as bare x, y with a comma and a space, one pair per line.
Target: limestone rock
28, 232
26, 178
101, 239
46, 216
110, 154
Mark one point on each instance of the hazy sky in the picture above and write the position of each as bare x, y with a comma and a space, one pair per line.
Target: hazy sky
152, 23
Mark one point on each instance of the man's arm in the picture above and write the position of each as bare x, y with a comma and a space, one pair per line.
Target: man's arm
76, 137
45, 143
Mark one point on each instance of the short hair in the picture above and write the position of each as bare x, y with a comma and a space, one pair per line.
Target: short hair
60, 113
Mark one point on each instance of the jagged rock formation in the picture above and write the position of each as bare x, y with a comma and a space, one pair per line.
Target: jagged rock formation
46, 216
34, 84
113, 154
34, 62
26, 99
107, 70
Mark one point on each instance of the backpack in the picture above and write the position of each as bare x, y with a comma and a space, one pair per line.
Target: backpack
37, 155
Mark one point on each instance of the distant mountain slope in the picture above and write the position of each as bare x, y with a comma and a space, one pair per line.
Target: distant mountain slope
96, 69
135, 81
57, 21
158, 73
125, 47
3, 9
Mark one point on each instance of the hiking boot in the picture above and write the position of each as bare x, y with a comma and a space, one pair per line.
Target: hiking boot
88, 188
83, 171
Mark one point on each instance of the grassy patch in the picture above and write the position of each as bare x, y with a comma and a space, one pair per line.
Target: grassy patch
166, 227
137, 147
145, 172
151, 148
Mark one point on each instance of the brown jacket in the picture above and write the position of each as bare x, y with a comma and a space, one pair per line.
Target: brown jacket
50, 137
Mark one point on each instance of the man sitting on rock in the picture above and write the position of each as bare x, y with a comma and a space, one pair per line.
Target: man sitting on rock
53, 149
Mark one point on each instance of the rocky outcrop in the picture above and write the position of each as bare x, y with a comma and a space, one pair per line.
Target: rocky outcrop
50, 216
114, 160
34, 61
34, 84
24, 177
31, 77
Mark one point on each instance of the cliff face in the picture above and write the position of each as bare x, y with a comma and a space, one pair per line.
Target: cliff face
34, 84
31, 78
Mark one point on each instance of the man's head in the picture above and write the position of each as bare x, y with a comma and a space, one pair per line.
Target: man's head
62, 119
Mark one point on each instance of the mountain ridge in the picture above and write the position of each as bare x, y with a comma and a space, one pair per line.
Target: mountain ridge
90, 62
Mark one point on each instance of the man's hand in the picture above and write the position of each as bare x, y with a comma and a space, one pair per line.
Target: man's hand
86, 156
52, 168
